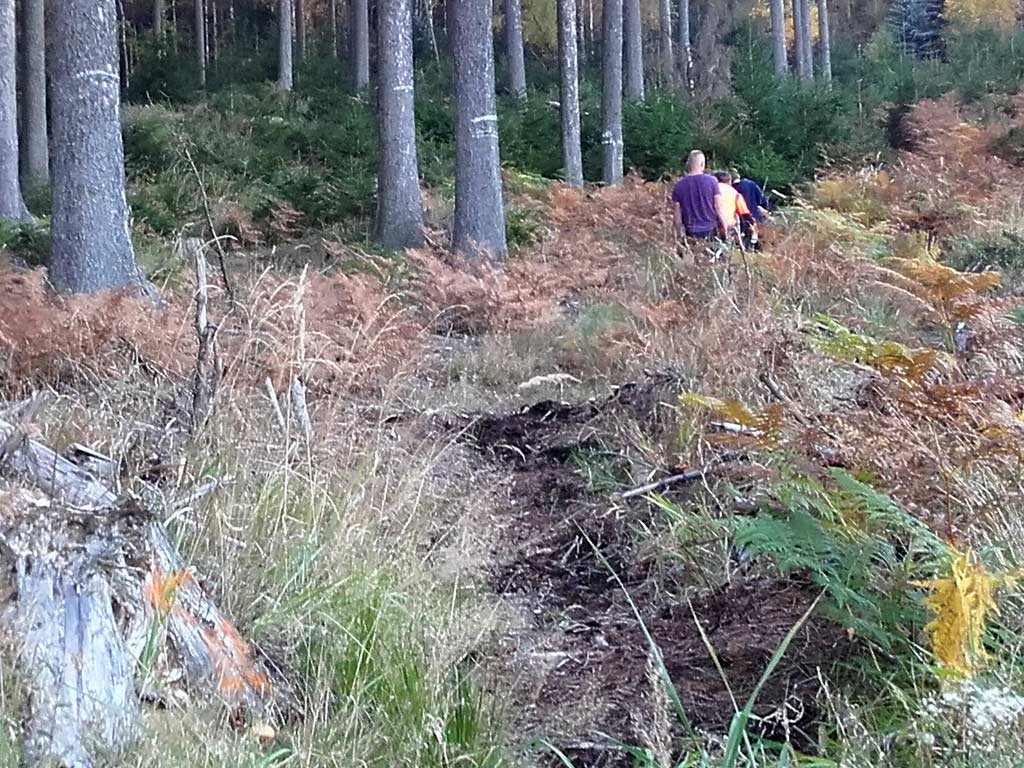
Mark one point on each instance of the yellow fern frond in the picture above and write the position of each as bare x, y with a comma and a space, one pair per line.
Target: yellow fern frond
762, 428
961, 601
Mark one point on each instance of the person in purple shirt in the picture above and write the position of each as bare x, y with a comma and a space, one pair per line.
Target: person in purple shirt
697, 202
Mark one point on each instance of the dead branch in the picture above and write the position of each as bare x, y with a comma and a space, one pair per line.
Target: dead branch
222, 257
688, 476
207, 372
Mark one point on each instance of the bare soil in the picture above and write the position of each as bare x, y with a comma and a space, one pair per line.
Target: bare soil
581, 672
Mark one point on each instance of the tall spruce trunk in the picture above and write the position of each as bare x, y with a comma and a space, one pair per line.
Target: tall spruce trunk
199, 21
360, 44
399, 202
514, 48
633, 50
300, 28
91, 247
479, 213
285, 76
333, 35
611, 94
808, 43
569, 93
685, 46
12, 206
158, 18
35, 164
668, 64
825, 40
798, 40
779, 37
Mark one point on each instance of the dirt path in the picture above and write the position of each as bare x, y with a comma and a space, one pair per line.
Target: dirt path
579, 671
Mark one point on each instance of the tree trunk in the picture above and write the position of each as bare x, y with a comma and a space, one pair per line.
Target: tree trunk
611, 93
12, 206
158, 18
685, 46
514, 48
668, 63
479, 213
300, 29
581, 32
70, 570
174, 25
35, 167
91, 247
360, 42
807, 42
399, 202
333, 36
825, 41
798, 40
779, 37
569, 93
199, 21
284, 45
633, 50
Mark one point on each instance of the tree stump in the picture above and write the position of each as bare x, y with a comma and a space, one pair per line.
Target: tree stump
94, 575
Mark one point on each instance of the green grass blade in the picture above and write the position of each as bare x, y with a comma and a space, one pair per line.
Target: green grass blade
562, 758
738, 728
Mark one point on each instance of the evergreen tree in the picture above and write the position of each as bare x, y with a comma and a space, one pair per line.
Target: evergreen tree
917, 25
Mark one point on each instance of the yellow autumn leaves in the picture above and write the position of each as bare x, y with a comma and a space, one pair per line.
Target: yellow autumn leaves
1000, 14
961, 602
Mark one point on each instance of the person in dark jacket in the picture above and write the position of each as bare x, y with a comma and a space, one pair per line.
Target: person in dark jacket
756, 199
758, 204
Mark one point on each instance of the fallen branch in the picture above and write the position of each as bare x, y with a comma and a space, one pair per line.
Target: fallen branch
689, 476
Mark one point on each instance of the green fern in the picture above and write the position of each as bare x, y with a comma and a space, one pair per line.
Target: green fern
852, 542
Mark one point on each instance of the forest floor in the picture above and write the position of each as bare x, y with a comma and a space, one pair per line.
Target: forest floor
462, 567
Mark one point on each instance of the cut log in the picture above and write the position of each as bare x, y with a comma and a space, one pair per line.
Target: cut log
65, 598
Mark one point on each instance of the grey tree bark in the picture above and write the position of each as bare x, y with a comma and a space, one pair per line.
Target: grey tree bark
825, 40
399, 202
779, 37
300, 28
633, 50
35, 158
479, 227
333, 11
668, 63
611, 93
806, 42
158, 18
569, 93
91, 247
199, 21
685, 46
284, 45
798, 40
514, 48
12, 206
360, 44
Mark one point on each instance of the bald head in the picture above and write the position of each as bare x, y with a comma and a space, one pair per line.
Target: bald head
696, 162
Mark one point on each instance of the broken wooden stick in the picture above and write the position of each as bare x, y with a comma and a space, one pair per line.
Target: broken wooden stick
687, 476
207, 372
297, 395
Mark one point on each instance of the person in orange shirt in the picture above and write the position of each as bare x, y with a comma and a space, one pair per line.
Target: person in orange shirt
734, 207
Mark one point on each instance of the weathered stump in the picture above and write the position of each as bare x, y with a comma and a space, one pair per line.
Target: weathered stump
94, 576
